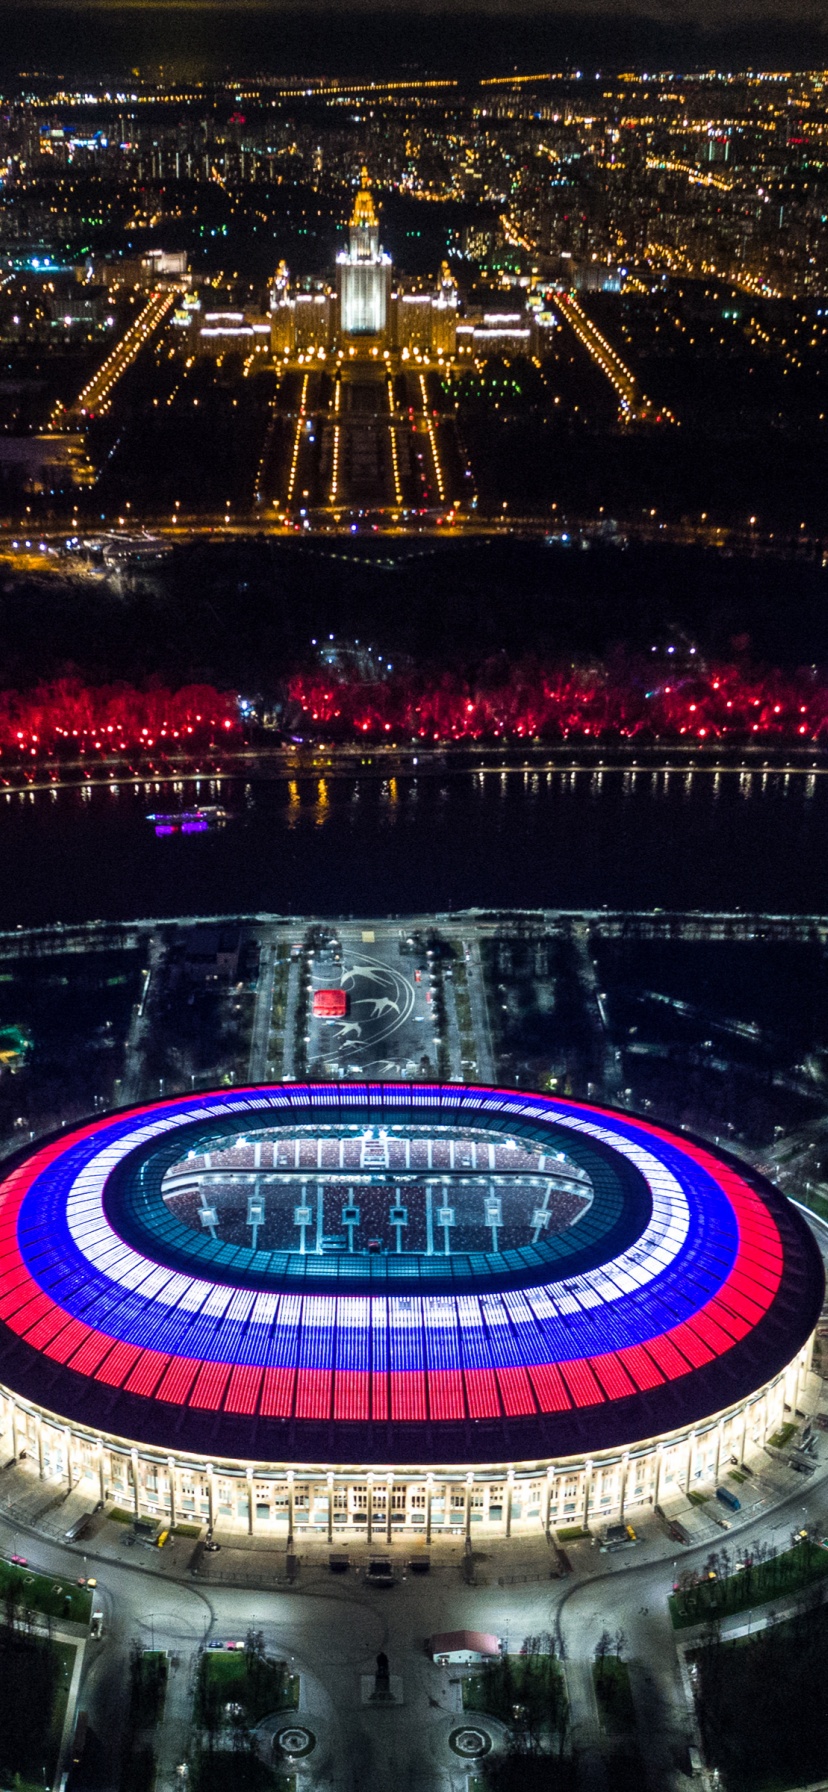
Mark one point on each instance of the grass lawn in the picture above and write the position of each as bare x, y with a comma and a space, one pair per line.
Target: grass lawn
534, 1681
228, 1676
148, 1690
138, 1770
41, 1593
787, 1574
762, 1706
65, 1657
148, 1685
36, 1676
782, 1436
569, 1533
611, 1679
225, 1770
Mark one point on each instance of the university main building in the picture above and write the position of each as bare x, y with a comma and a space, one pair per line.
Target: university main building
394, 1309
367, 313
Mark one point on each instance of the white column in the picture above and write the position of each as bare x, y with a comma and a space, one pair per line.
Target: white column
507, 1504
133, 1457
625, 1467
800, 1377
691, 1445
718, 1456
587, 1491
388, 1492
547, 1500
744, 1436
251, 1503
330, 1507
659, 1458
429, 1493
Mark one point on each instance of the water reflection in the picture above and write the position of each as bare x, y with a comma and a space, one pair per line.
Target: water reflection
627, 837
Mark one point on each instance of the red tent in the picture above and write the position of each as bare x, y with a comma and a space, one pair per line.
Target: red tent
330, 1004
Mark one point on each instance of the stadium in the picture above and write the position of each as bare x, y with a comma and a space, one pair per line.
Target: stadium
392, 1309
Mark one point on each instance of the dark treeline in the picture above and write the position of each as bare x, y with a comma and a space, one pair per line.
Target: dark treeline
245, 613
762, 1705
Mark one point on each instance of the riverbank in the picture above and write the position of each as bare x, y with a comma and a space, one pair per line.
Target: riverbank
321, 759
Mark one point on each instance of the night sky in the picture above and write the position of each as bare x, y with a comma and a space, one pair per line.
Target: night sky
463, 37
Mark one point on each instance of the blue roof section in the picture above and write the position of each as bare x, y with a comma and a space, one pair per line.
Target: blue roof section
135, 1209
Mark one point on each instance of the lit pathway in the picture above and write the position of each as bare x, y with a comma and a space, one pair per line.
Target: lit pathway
585, 1728
173, 1737
260, 1031
132, 1082
96, 394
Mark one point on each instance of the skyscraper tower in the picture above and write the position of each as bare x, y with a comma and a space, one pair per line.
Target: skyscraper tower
363, 277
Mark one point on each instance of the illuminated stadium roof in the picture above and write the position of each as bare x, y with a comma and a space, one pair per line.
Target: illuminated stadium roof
392, 1273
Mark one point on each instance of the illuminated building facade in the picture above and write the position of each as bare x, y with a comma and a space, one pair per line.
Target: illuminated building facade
367, 314
394, 1307
363, 277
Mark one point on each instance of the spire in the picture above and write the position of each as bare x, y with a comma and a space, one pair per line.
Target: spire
364, 215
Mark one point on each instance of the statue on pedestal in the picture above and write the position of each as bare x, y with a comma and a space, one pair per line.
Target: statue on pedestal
382, 1678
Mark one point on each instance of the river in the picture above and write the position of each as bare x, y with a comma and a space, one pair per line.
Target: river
412, 843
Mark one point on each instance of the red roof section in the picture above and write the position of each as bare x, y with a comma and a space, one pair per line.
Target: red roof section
475, 1642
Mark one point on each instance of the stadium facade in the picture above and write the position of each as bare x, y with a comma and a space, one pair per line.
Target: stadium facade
392, 1309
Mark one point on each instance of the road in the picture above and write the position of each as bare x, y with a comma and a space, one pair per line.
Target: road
20, 539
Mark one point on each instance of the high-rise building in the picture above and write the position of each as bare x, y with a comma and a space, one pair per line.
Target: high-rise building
363, 276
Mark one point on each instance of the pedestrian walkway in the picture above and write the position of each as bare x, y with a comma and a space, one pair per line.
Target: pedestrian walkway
173, 1736
262, 1014
585, 1728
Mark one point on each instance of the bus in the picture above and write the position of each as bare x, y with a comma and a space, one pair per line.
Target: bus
728, 1499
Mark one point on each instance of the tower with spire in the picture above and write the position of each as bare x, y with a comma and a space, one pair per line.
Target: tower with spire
363, 278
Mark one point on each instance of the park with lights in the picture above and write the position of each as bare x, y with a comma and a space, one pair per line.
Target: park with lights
394, 1307
629, 704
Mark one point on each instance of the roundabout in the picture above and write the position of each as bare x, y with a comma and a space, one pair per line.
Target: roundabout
470, 1742
391, 1306
294, 1742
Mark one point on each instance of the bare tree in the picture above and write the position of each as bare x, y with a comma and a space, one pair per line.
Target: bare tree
603, 1648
